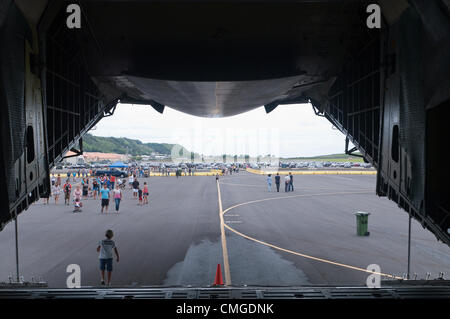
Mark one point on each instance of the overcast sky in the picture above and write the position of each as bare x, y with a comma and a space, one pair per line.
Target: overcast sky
289, 130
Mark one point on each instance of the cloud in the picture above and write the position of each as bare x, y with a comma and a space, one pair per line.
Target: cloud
289, 130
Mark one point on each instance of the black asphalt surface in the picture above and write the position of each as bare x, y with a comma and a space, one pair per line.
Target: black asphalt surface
176, 238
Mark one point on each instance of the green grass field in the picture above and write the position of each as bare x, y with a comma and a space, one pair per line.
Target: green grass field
328, 158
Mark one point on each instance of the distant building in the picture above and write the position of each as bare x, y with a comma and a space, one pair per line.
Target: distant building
73, 160
89, 157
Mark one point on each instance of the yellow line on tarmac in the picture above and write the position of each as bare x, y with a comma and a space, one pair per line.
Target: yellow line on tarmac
294, 252
226, 264
312, 172
297, 188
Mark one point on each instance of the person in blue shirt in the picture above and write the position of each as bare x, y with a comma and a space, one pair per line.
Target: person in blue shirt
105, 197
291, 182
277, 181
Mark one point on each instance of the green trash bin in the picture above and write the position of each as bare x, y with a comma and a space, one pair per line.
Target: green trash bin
362, 220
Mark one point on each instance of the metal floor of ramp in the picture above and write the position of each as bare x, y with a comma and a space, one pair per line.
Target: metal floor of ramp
434, 291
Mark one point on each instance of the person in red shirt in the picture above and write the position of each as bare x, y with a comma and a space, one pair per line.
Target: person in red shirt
112, 180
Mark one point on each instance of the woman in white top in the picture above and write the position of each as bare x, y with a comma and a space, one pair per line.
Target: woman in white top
130, 181
287, 179
56, 190
117, 194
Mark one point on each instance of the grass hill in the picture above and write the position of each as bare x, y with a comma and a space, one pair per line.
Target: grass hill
122, 145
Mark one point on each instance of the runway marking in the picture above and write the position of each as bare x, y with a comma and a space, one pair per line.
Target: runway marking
226, 264
284, 197
294, 252
298, 188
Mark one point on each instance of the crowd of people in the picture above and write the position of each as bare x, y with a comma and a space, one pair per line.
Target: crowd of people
106, 187
288, 182
102, 187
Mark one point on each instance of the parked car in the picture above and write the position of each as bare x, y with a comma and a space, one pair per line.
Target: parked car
110, 172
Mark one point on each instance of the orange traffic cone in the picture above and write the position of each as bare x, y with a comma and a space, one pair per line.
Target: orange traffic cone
218, 281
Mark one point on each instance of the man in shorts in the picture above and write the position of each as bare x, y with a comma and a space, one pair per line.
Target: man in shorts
67, 190
135, 188
105, 248
105, 197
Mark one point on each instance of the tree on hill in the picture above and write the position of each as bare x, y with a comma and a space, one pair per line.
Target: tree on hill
122, 145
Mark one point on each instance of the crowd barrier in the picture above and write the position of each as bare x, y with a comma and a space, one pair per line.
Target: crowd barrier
210, 173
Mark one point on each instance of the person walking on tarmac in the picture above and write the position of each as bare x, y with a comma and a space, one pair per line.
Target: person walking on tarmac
67, 190
291, 182
77, 194
56, 190
145, 193
95, 188
113, 181
287, 179
269, 182
140, 196
85, 184
135, 188
105, 198
105, 248
277, 182
130, 181
117, 197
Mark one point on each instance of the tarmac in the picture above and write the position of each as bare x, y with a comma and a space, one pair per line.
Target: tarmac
260, 238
